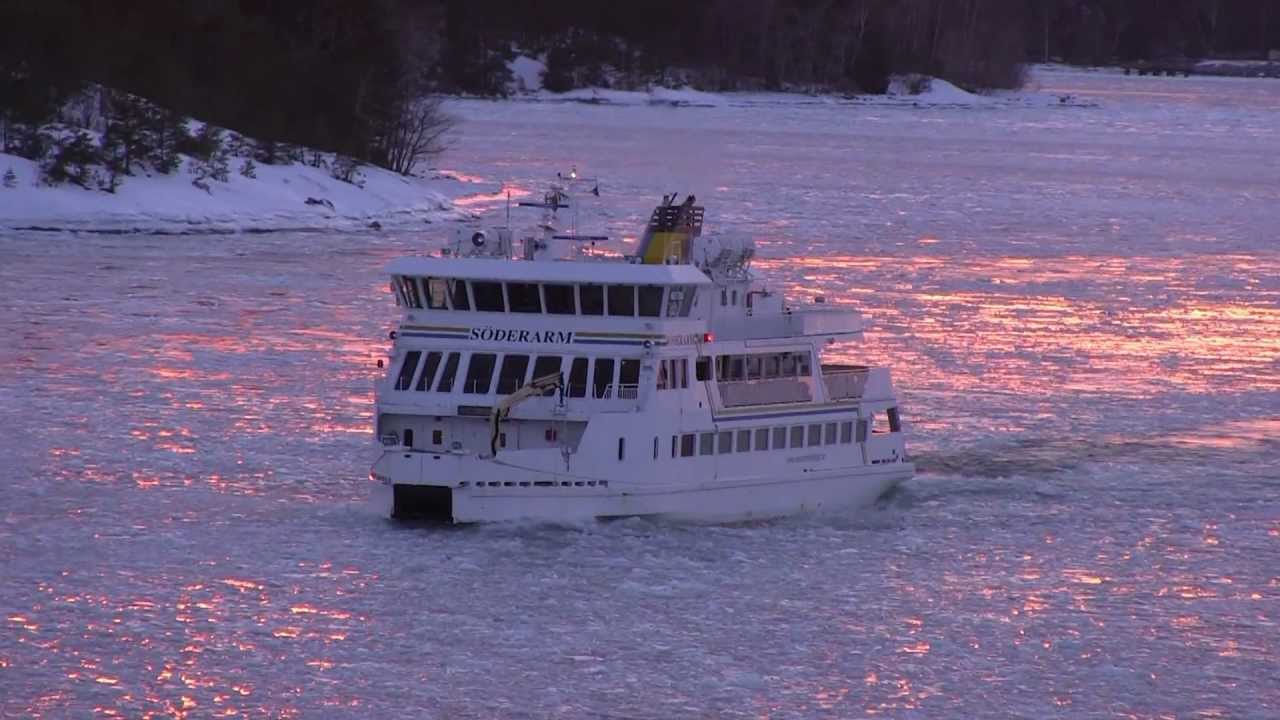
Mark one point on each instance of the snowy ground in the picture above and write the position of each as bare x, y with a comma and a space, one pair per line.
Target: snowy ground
1082, 308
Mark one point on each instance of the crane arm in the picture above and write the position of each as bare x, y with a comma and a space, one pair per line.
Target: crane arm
539, 386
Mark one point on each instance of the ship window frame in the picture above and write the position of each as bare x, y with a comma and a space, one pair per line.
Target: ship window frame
762, 440
430, 286
702, 368
779, 438
617, 294
829, 434
404, 380
895, 419
743, 443
815, 435
664, 374
608, 388
559, 306
684, 373
724, 442
755, 367
558, 370
528, 292
706, 443
861, 433
577, 381
846, 432
688, 443
449, 374
804, 365
788, 362
455, 285
429, 370
505, 378
772, 366
645, 300
797, 437
591, 308
624, 372
413, 293
470, 381
492, 290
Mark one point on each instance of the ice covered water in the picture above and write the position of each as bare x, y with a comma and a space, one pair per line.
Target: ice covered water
1082, 308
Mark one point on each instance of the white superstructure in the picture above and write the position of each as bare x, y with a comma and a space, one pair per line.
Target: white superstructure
528, 379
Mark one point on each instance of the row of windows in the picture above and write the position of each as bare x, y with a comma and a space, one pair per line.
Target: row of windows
551, 298
761, 439
673, 374
438, 371
763, 367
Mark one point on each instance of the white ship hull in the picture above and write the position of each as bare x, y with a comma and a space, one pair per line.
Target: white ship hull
527, 494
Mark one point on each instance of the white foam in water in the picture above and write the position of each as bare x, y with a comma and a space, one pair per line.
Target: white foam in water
1080, 307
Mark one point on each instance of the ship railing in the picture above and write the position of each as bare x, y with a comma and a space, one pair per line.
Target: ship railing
738, 393
623, 391
845, 382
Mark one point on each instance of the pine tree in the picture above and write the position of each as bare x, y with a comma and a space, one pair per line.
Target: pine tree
72, 160
248, 169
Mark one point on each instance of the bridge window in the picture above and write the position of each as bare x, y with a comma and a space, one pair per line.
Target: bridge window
762, 439
780, 438
702, 369
846, 433
744, 440
405, 380
488, 296
706, 443
772, 366
411, 292
480, 373
726, 442
511, 376
437, 292
663, 382
829, 434
591, 299
680, 301
862, 431
622, 300
449, 373
803, 364
524, 298
458, 295
602, 380
788, 365
755, 367
546, 365
429, 371
815, 435
797, 436
629, 376
559, 299
578, 378
650, 301
686, 445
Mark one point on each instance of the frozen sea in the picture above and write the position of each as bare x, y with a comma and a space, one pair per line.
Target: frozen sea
1081, 303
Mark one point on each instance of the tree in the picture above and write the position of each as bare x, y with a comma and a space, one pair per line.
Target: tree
417, 133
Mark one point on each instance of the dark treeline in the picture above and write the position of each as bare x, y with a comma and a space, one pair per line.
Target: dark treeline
347, 76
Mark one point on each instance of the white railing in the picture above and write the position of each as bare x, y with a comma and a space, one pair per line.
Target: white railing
627, 391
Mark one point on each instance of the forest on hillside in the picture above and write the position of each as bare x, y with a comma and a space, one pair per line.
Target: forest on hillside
348, 76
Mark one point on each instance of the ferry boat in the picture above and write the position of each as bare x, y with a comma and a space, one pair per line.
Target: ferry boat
532, 378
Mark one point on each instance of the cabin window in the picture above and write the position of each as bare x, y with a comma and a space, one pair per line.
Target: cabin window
546, 365
829, 434
488, 296
405, 380
772, 366
511, 376
780, 438
862, 431
650, 300
702, 369
797, 436
628, 377
663, 383
602, 380
686, 445
412, 294
655, 447
738, 368
755, 367
706, 443
437, 293
744, 440
524, 298
429, 371
802, 364
846, 433
726, 442
682, 372
724, 298
680, 301
675, 444
815, 435
591, 299
458, 295
437, 437
788, 365
450, 371
735, 298
622, 300
762, 439
578, 378
622, 448
480, 373
559, 299
408, 438
895, 422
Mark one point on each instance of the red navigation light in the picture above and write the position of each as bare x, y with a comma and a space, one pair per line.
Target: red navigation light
708, 337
